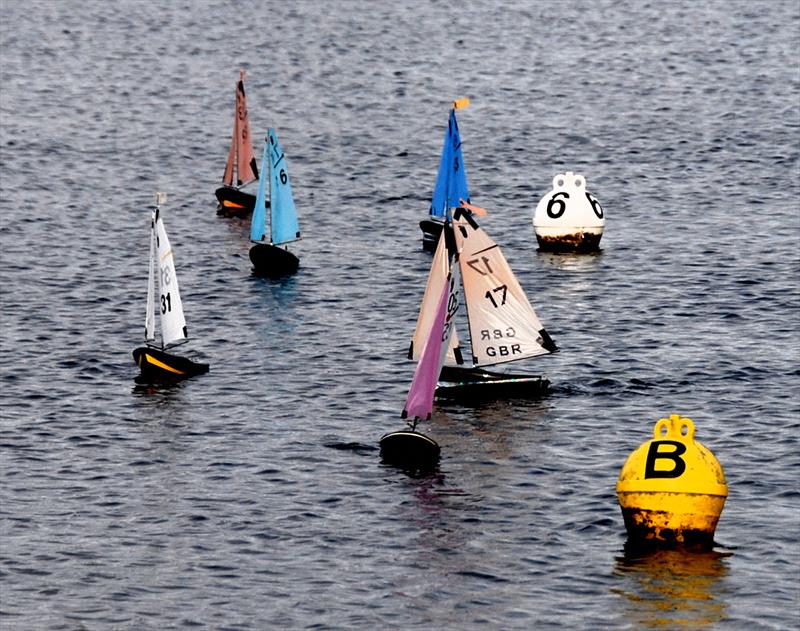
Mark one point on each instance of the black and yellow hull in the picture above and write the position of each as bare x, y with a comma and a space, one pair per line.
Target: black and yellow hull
460, 383
234, 202
272, 261
408, 448
158, 365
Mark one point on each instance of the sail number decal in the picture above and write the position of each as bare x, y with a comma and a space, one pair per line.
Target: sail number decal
452, 307
502, 349
166, 279
502, 291
477, 264
284, 177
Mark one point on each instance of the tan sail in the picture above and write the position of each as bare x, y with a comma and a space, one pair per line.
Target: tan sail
503, 326
437, 278
241, 160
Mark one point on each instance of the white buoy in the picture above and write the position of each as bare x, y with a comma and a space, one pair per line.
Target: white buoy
568, 218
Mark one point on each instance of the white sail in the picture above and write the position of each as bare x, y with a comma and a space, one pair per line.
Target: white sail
503, 326
173, 324
150, 318
437, 277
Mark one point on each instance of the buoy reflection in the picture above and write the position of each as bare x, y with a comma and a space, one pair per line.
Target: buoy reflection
667, 588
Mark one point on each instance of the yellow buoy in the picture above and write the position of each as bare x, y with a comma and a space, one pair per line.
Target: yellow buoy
672, 489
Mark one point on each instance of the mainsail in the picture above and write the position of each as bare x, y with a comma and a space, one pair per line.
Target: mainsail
419, 402
241, 160
451, 181
283, 214
502, 323
173, 324
437, 279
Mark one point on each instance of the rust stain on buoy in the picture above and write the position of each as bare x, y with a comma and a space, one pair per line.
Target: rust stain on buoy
575, 242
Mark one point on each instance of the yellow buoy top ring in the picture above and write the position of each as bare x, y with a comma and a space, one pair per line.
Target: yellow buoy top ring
673, 428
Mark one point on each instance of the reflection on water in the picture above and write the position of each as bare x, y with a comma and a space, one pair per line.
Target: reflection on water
487, 429
570, 262
672, 587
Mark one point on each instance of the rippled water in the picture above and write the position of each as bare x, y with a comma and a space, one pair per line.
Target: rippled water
253, 497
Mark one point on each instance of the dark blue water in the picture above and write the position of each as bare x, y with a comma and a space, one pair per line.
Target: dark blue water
253, 497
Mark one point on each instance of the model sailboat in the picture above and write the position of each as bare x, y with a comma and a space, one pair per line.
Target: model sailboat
451, 181
409, 447
155, 363
241, 166
269, 259
503, 326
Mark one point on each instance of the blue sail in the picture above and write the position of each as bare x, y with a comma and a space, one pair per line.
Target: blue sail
258, 226
283, 220
451, 182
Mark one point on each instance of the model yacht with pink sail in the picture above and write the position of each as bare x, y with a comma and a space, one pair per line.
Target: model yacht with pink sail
241, 167
502, 328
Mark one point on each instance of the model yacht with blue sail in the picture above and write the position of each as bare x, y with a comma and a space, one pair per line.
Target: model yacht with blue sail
451, 181
268, 257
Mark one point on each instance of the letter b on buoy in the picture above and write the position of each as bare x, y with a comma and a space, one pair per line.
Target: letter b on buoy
654, 454
672, 489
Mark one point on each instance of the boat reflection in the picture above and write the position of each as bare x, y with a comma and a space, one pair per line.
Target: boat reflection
499, 429
675, 587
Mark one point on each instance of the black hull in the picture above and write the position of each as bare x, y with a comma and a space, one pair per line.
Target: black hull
477, 384
160, 366
234, 203
408, 448
431, 229
272, 261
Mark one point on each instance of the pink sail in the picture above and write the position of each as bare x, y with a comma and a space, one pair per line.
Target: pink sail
241, 158
419, 402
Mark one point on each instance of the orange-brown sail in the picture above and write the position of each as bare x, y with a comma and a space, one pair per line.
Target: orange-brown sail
241, 160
